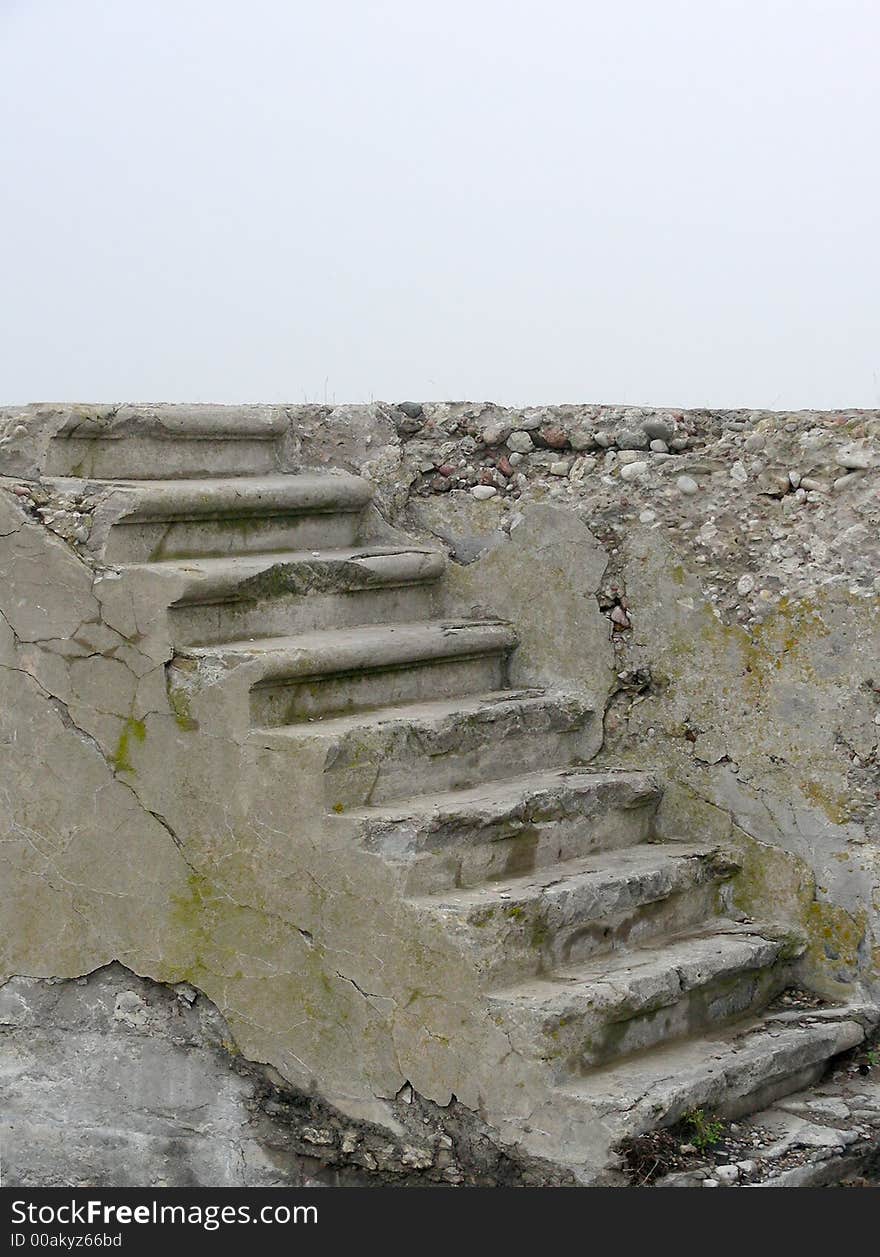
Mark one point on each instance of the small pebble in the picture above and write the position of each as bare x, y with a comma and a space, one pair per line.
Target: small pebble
554, 438
855, 459
632, 471
581, 441
482, 492
520, 442
628, 439
687, 485
495, 433
658, 430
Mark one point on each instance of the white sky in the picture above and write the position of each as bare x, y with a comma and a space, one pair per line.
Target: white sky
658, 201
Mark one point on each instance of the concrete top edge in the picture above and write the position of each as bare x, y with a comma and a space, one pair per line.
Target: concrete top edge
277, 414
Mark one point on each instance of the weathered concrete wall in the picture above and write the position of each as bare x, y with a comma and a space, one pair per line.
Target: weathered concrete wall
144, 824
742, 593
717, 597
112, 1080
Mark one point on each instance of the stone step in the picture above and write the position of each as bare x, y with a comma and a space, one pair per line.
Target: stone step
727, 1073
510, 827
446, 744
589, 1014
344, 670
166, 442
298, 591
527, 926
150, 520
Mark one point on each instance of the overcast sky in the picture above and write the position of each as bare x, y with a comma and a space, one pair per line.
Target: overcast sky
643, 201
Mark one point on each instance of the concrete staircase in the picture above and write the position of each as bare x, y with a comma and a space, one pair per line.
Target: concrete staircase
610, 959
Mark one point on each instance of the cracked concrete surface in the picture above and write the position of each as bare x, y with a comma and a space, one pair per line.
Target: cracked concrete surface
145, 823
131, 834
116, 1081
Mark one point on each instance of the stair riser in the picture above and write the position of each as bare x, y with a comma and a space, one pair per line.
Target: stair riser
210, 623
461, 863
146, 458
278, 703
410, 769
732, 1106
580, 1042
145, 542
518, 942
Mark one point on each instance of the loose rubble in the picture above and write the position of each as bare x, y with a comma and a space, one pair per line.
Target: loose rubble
823, 1136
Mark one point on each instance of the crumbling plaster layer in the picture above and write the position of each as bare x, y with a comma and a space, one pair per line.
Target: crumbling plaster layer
111, 1080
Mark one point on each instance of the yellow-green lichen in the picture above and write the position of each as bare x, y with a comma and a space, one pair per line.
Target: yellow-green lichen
179, 702
121, 758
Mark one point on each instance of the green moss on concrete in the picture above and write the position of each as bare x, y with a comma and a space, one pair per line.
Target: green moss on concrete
179, 701
132, 730
827, 939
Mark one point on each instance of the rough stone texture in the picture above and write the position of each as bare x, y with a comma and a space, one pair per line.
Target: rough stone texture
745, 624
728, 629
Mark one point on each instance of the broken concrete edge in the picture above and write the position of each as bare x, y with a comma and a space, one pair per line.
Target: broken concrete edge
815, 1138
303, 1140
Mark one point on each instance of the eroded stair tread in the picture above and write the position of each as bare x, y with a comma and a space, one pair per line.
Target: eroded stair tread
213, 576
714, 1069
673, 863
678, 965
367, 646
166, 420
208, 496
428, 714
496, 799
